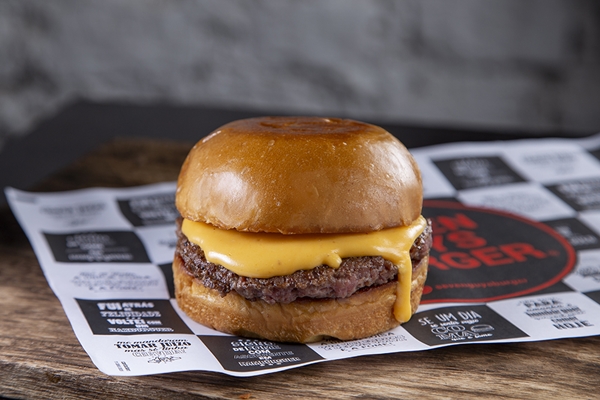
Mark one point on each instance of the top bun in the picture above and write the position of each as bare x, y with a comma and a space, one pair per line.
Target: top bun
296, 175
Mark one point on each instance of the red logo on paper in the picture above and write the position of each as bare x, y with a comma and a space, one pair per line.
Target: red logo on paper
481, 255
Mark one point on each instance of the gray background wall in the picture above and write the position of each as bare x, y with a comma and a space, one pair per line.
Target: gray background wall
505, 64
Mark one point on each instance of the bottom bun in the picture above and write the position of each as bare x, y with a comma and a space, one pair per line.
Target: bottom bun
363, 314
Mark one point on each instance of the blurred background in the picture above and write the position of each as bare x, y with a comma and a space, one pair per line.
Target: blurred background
529, 65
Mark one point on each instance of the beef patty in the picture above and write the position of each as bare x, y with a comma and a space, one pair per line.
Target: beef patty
354, 274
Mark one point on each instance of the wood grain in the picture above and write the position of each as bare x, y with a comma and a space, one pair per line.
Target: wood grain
40, 356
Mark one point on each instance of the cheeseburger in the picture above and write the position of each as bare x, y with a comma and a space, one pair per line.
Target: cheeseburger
298, 229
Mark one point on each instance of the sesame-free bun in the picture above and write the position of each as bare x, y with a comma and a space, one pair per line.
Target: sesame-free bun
365, 313
297, 175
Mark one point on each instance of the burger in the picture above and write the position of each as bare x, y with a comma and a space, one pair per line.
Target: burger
298, 229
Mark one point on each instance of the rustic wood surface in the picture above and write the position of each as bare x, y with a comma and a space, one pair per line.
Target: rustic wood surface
40, 357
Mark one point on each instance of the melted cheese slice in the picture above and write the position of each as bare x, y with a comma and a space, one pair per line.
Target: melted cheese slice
265, 255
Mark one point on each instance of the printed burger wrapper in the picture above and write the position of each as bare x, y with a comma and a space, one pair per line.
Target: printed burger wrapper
515, 258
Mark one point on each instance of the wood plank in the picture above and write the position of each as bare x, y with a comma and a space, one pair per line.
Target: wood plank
40, 356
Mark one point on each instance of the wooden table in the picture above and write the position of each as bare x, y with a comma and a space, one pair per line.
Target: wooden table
40, 356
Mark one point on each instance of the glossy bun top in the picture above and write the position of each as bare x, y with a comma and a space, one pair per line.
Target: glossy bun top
297, 175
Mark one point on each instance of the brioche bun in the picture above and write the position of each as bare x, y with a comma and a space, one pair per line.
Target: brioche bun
300, 175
